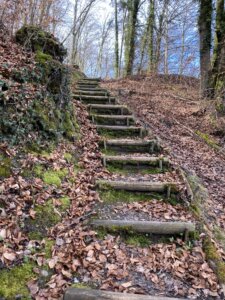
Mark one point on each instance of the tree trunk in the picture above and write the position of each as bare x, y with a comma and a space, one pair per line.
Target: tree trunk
205, 23
160, 36
218, 63
151, 35
148, 37
133, 7
116, 40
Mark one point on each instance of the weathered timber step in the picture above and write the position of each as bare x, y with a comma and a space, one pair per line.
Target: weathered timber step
121, 131
139, 161
153, 227
95, 99
95, 89
90, 79
88, 82
89, 294
93, 92
131, 146
139, 186
109, 109
88, 87
113, 120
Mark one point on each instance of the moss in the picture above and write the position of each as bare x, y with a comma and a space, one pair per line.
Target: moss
14, 281
80, 285
5, 166
221, 271
107, 133
38, 170
209, 141
210, 250
127, 235
65, 203
70, 125
53, 177
112, 196
215, 259
68, 157
134, 169
138, 240
45, 218
38, 236
42, 58
48, 248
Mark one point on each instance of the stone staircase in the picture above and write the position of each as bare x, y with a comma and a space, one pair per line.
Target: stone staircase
127, 149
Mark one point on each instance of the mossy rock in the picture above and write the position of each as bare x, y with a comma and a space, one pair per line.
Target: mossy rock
36, 39
13, 282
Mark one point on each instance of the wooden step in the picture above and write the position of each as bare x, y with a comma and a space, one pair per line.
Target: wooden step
92, 92
139, 186
108, 109
121, 130
95, 99
139, 161
95, 89
90, 79
153, 227
88, 83
131, 146
113, 120
91, 294
87, 86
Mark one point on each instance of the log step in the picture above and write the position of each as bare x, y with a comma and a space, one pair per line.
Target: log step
113, 120
138, 161
153, 227
109, 109
121, 130
95, 99
93, 92
132, 146
90, 294
95, 89
139, 186
90, 79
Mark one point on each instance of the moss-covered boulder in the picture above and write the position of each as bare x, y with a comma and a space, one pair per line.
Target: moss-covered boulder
35, 39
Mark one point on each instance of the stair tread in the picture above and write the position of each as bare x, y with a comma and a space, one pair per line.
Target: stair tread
134, 158
122, 117
107, 106
118, 127
129, 141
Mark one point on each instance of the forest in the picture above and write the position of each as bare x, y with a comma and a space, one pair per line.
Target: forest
112, 149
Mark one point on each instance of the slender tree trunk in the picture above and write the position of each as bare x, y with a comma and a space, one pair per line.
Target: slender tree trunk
73, 53
151, 36
160, 36
122, 40
116, 40
147, 36
205, 24
131, 36
166, 54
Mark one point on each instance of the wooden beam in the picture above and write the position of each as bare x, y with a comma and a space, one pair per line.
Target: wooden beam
138, 186
90, 294
153, 227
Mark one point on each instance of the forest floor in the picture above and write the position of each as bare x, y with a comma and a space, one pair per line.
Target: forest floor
171, 107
